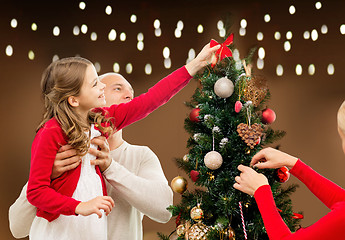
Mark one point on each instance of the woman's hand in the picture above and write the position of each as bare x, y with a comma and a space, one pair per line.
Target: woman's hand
103, 159
205, 57
272, 158
95, 205
249, 180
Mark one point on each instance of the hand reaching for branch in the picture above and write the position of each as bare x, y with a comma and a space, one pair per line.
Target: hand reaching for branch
272, 158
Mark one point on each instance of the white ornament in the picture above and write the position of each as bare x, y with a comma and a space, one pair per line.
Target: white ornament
248, 103
213, 160
207, 117
197, 136
223, 142
240, 76
216, 129
224, 87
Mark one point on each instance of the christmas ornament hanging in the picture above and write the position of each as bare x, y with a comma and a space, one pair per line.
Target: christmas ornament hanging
268, 116
179, 184
196, 213
256, 90
224, 87
194, 175
181, 230
282, 174
223, 51
197, 232
250, 134
213, 160
186, 158
229, 233
238, 106
223, 142
178, 219
194, 114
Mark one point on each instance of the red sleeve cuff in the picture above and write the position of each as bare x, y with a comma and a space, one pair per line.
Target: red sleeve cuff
262, 192
297, 168
186, 72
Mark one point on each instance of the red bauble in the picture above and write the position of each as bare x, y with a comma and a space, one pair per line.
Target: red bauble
194, 175
282, 174
268, 116
194, 114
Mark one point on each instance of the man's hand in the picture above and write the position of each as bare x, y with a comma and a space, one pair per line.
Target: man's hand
103, 159
66, 159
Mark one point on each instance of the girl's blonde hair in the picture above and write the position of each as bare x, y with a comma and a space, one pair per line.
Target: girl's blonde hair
62, 79
341, 117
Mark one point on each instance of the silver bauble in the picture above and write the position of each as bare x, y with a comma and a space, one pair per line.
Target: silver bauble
213, 160
224, 87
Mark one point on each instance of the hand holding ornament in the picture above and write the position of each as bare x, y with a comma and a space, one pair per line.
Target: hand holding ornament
205, 57
272, 158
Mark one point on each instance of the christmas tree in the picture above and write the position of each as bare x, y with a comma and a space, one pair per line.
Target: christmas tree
228, 124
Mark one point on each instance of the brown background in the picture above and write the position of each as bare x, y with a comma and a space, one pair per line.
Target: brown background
305, 105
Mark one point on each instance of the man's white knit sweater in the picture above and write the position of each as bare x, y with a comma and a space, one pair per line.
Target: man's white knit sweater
136, 182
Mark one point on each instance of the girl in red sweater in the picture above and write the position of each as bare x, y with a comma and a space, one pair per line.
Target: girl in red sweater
331, 226
73, 205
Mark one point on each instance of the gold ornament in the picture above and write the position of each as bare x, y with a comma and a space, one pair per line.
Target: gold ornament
256, 90
256, 86
186, 158
197, 213
250, 134
197, 232
181, 230
179, 184
229, 233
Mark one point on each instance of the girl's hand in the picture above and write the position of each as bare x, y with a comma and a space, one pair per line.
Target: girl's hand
249, 180
103, 159
205, 57
272, 158
95, 205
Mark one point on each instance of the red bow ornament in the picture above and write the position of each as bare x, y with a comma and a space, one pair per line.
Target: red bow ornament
223, 51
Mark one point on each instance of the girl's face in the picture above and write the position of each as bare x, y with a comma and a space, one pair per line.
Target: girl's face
92, 91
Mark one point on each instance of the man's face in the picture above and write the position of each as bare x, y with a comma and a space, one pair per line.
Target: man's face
117, 89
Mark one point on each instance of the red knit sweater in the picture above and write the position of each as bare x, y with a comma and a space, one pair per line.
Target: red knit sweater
331, 226
53, 198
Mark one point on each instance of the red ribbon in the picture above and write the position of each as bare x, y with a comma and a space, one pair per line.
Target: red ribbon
297, 216
223, 51
294, 215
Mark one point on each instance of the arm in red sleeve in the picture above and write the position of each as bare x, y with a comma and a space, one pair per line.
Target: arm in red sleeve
327, 191
39, 193
331, 226
126, 113
274, 224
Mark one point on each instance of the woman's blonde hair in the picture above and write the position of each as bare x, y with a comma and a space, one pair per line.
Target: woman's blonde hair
62, 79
341, 117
